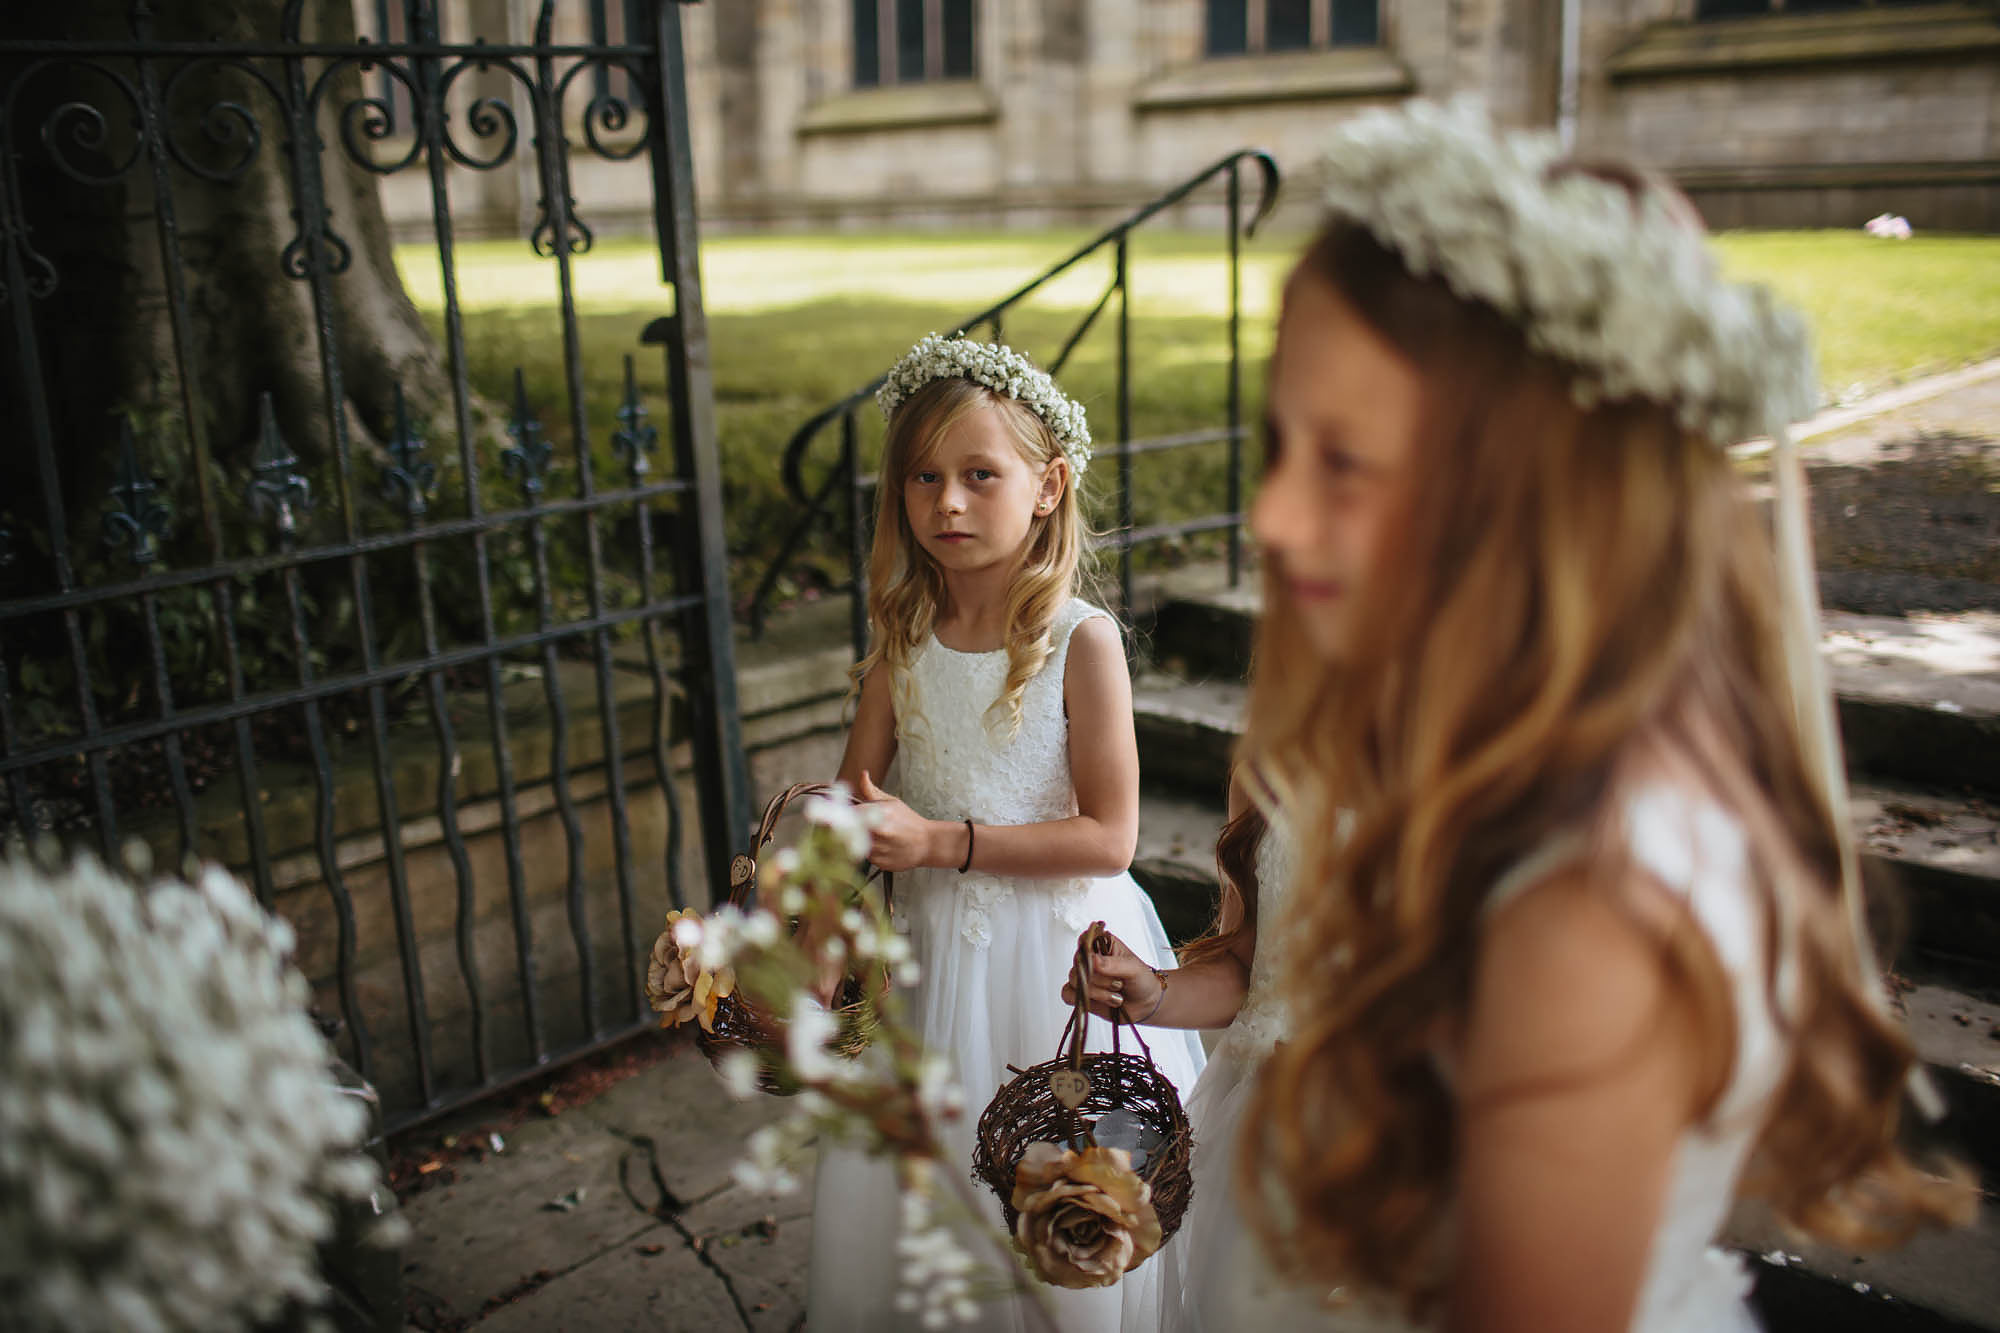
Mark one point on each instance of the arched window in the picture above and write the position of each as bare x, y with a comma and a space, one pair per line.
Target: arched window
1242, 27
910, 41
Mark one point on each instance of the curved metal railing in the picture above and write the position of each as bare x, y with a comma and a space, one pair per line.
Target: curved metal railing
843, 478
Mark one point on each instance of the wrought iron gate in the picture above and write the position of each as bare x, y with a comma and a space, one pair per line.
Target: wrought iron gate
434, 690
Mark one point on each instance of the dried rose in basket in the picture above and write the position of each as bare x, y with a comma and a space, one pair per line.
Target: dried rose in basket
1083, 1219
677, 985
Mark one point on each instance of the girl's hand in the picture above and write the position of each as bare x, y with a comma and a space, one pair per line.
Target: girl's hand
1120, 977
902, 839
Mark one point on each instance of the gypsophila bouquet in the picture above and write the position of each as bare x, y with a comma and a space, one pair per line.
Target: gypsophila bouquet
172, 1141
818, 915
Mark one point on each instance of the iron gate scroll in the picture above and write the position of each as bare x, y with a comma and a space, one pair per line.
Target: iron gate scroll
435, 690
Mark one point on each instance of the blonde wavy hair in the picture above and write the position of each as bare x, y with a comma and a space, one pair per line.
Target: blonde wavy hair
1589, 601
906, 589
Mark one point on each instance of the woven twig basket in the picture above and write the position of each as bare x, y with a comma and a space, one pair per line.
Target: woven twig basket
1027, 1109
741, 1025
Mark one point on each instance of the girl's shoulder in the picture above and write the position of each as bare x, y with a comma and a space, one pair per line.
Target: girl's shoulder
1680, 839
1692, 860
1073, 613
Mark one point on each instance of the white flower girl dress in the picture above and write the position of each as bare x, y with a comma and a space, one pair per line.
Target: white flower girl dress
1196, 1261
994, 952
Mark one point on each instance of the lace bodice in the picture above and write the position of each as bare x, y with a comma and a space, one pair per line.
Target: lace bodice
959, 763
1260, 1023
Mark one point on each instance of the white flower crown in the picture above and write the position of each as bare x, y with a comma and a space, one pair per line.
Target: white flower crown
1622, 288
1001, 369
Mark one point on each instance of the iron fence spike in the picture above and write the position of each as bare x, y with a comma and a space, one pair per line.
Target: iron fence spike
527, 459
411, 474
139, 518
276, 487
635, 437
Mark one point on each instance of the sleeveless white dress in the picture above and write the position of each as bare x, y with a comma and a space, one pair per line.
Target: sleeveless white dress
1194, 1261
994, 953
1693, 848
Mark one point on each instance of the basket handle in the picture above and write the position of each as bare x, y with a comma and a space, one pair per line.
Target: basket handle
1076, 1031
743, 870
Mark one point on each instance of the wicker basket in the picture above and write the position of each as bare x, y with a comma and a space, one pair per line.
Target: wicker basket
742, 1025
1027, 1110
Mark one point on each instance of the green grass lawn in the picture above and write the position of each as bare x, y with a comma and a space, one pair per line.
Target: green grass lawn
1881, 311
796, 322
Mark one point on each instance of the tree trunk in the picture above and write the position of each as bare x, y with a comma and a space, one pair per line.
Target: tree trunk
110, 339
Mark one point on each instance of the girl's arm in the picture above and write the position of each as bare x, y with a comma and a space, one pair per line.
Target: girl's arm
1204, 995
1578, 1072
1104, 766
871, 741
871, 748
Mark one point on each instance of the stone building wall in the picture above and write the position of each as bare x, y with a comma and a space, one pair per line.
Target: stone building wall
1082, 109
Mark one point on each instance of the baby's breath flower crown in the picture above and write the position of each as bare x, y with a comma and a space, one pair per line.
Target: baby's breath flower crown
1623, 289
1001, 369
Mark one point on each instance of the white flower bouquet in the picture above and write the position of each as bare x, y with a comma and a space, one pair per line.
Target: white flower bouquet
891, 1096
173, 1145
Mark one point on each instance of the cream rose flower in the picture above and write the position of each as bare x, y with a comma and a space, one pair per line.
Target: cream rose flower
677, 985
1084, 1219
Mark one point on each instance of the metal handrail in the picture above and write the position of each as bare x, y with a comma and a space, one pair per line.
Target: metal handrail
819, 500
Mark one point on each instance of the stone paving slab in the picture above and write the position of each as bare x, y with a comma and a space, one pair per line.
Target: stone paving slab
497, 1224
631, 1286
616, 1214
760, 1246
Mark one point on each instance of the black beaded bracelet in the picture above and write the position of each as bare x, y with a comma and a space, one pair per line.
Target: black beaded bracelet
968, 848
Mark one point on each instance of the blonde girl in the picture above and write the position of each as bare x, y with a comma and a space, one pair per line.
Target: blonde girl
1006, 702
1576, 972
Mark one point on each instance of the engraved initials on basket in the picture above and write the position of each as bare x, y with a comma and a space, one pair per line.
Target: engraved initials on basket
1071, 1087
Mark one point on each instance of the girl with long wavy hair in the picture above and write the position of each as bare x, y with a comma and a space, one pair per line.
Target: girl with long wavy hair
1006, 699
1573, 967
1569, 955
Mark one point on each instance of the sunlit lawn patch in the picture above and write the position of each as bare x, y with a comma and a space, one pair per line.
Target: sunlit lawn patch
797, 321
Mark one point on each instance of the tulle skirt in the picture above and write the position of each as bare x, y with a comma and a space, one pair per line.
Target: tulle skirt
990, 995
1196, 1261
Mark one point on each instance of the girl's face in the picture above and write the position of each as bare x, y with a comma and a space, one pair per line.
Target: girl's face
973, 502
1342, 420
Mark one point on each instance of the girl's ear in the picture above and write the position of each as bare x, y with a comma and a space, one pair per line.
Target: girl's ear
1055, 479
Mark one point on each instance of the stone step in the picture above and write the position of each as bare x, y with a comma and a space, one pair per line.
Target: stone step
1940, 1282
1919, 695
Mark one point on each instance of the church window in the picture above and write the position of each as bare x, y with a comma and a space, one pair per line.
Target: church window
911, 41
1242, 27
